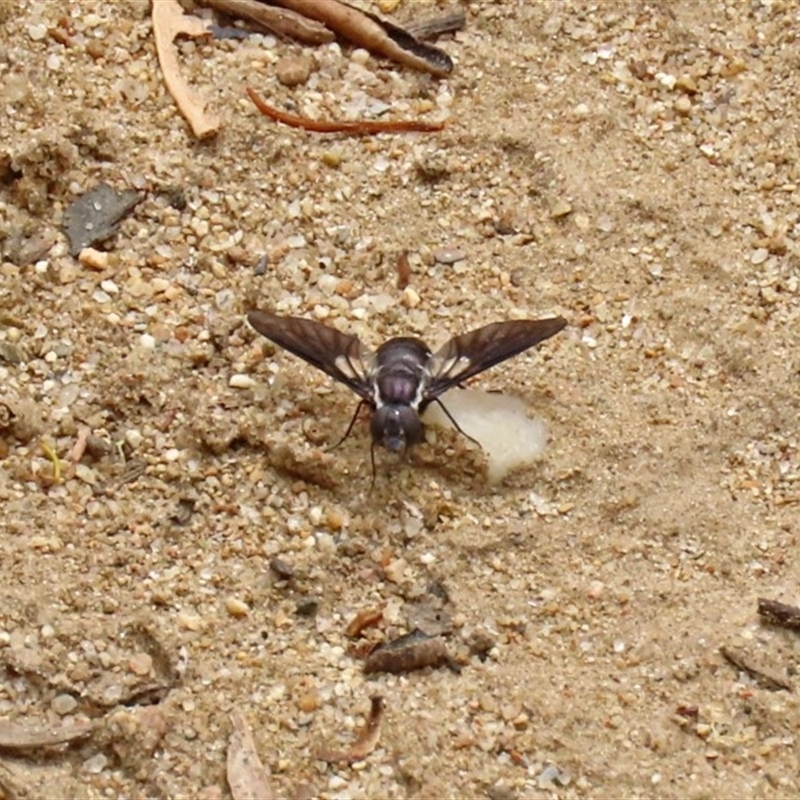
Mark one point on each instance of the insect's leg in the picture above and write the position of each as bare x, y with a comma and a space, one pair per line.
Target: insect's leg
361, 404
452, 419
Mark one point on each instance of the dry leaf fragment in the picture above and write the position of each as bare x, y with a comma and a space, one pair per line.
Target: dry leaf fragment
248, 778
169, 21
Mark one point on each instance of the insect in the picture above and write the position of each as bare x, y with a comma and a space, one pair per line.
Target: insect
402, 377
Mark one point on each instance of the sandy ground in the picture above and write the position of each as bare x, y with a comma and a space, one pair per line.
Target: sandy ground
631, 166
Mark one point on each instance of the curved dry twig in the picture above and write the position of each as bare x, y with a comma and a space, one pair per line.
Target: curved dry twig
348, 127
168, 21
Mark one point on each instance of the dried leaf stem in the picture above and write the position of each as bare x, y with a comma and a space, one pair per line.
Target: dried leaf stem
348, 127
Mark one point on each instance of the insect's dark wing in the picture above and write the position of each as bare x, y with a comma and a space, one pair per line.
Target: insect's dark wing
340, 355
473, 352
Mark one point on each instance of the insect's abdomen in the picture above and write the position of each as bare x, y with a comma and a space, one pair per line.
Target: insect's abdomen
398, 385
401, 363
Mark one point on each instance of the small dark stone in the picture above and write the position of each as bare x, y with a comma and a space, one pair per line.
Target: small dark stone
10, 353
283, 569
480, 643
307, 607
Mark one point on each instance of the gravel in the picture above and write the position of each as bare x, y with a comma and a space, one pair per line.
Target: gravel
633, 168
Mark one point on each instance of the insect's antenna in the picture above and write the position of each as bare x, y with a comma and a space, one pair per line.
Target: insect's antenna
361, 404
452, 419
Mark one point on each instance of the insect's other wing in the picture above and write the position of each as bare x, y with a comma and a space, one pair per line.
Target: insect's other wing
470, 353
340, 355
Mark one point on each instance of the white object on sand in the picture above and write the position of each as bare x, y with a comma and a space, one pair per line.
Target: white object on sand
499, 423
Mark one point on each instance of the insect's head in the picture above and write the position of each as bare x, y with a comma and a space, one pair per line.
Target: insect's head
396, 426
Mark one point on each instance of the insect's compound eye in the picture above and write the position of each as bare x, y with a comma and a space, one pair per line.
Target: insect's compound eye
396, 427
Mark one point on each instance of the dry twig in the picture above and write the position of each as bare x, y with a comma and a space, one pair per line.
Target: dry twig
373, 34
348, 127
168, 22
282, 21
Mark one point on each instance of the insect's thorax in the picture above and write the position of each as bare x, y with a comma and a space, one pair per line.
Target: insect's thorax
400, 370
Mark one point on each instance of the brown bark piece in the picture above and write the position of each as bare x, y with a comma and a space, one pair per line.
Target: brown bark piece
373, 34
779, 613
282, 21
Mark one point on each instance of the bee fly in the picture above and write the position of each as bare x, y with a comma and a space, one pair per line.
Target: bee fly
402, 377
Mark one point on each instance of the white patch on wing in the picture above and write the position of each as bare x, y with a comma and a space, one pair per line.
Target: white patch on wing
452, 367
345, 366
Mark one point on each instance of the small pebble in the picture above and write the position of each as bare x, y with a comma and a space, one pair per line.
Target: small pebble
236, 608
309, 701
552, 776
306, 606
410, 298
561, 208
93, 259
190, 622
395, 571
683, 105
37, 32
293, 70
282, 569
596, 589
448, 255
241, 381
96, 763
63, 704
141, 664
134, 438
